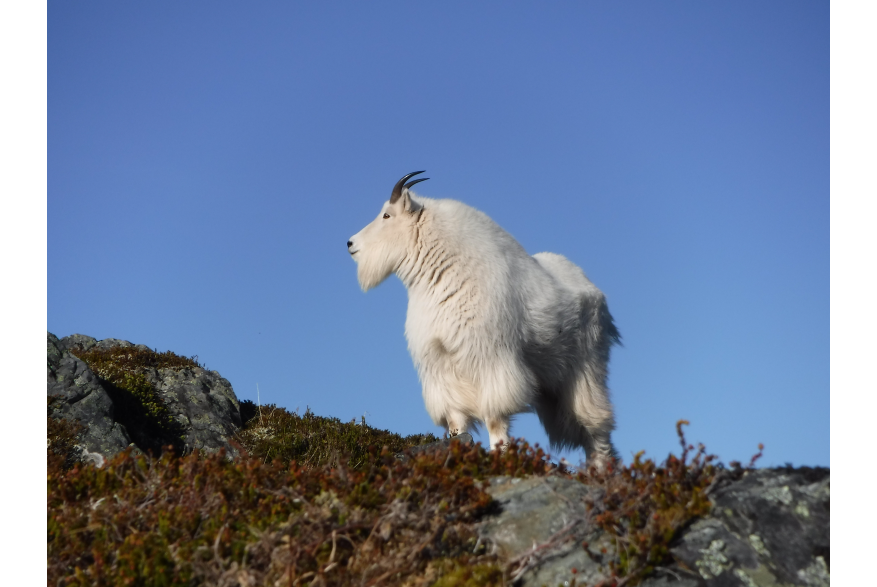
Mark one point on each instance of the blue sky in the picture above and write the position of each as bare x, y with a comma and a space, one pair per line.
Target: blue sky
207, 163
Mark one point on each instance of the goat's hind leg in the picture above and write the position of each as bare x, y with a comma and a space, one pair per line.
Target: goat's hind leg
593, 411
577, 416
561, 425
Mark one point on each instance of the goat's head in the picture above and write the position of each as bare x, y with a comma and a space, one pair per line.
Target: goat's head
381, 246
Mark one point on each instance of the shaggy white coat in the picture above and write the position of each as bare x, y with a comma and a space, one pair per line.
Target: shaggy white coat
493, 331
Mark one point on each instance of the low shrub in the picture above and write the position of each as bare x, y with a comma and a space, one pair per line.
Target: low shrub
316, 501
643, 506
205, 520
271, 432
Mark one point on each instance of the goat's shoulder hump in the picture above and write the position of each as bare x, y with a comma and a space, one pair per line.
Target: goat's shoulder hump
566, 272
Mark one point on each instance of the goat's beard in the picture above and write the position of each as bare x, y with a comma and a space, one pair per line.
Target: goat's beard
372, 269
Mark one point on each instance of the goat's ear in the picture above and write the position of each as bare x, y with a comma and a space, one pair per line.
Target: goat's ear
408, 204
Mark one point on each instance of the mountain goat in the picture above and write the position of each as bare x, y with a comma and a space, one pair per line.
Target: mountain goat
493, 331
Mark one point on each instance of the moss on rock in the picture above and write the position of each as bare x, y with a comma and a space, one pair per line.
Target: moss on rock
138, 405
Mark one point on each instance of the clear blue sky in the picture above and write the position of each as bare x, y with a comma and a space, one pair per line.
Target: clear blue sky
207, 163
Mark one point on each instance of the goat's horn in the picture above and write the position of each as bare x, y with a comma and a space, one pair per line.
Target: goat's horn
397, 189
411, 183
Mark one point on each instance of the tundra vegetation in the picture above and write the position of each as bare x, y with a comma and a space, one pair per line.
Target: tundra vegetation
314, 501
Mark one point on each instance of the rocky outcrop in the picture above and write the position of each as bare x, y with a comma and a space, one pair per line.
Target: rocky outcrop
768, 528
201, 403
81, 397
772, 527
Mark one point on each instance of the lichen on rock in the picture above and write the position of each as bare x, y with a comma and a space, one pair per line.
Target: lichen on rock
127, 394
81, 397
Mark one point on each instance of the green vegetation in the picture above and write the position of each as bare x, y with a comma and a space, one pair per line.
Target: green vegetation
138, 405
271, 433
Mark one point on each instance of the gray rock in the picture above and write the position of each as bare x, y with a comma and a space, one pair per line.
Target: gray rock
109, 343
541, 528
80, 340
82, 398
768, 528
771, 527
202, 403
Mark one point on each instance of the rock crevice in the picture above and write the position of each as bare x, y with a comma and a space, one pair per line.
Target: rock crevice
202, 405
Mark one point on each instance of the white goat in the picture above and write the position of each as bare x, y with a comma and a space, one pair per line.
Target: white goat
493, 331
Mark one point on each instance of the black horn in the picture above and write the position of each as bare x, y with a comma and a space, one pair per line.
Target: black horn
397, 189
411, 183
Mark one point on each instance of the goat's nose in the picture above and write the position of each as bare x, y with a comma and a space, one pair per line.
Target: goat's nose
349, 244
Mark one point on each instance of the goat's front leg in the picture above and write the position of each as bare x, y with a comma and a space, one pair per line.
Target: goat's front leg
498, 429
457, 423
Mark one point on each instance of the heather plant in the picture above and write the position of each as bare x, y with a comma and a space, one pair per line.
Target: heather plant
137, 404
643, 506
205, 520
317, 501
271, 432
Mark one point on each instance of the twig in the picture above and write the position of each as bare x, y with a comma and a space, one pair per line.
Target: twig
216, 542
332, 554
348, 539
669, 572
303, 577
381, 578
530, 558
477, 544
630, 576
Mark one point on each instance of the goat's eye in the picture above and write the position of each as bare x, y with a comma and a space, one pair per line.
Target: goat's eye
386, 216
